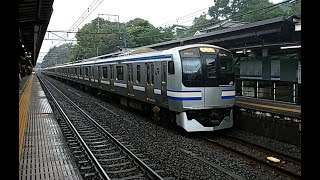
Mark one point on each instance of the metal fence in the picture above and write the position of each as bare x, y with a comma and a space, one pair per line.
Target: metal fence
273, 90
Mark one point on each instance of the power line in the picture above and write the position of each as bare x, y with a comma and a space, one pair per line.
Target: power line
85, 14
75, 32
82, 16
177, 19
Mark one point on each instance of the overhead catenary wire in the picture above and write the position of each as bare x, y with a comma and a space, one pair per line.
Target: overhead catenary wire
84, 15
185, 16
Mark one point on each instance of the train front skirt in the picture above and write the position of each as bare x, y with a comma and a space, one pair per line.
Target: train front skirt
192, 125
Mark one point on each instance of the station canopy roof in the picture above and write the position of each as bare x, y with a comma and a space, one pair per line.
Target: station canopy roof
33, 21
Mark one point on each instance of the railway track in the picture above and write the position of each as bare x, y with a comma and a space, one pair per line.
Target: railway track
99, 152
287, 166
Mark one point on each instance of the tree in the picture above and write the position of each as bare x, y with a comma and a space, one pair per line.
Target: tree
198, 23
223, 9
97, 38
240, 10
262, 9
58, 55
102, 37
140, 32
295, 8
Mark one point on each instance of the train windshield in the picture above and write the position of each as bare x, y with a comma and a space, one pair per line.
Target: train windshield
207, 67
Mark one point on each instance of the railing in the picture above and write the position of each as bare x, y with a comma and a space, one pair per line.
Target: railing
268, 89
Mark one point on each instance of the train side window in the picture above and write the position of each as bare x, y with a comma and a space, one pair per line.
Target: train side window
111, 72
152, 74
80, 71
129, 72
119, 72
148, 73
163, 72
91, 72
105, 72
86, 72
170, 67
138, 74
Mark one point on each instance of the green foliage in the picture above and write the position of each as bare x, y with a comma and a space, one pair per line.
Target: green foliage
58, 55
141, 33
261, 12
239, 10
198, 24
295, 8
97, 38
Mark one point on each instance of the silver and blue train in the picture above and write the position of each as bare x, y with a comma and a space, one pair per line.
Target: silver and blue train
193, 83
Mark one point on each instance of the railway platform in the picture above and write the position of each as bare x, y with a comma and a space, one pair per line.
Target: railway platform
277, 107
43, 153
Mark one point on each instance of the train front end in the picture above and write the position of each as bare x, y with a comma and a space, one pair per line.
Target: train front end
208, 78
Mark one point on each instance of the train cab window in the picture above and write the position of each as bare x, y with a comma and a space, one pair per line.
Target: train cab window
105, 72
119, 72
170, 67
211, 66
138, 74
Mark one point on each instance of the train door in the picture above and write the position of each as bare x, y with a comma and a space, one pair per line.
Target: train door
164, 98
130, 79
150, 81
111, 78
211, 94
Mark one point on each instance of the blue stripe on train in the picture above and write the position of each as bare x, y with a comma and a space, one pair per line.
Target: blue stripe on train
227, 97
185, 98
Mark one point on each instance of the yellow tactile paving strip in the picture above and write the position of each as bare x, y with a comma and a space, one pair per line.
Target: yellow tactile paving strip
23, 111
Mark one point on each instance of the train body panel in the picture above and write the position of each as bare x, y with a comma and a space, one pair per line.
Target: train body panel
194, 81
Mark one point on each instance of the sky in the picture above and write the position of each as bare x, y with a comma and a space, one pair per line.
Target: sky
68, 14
